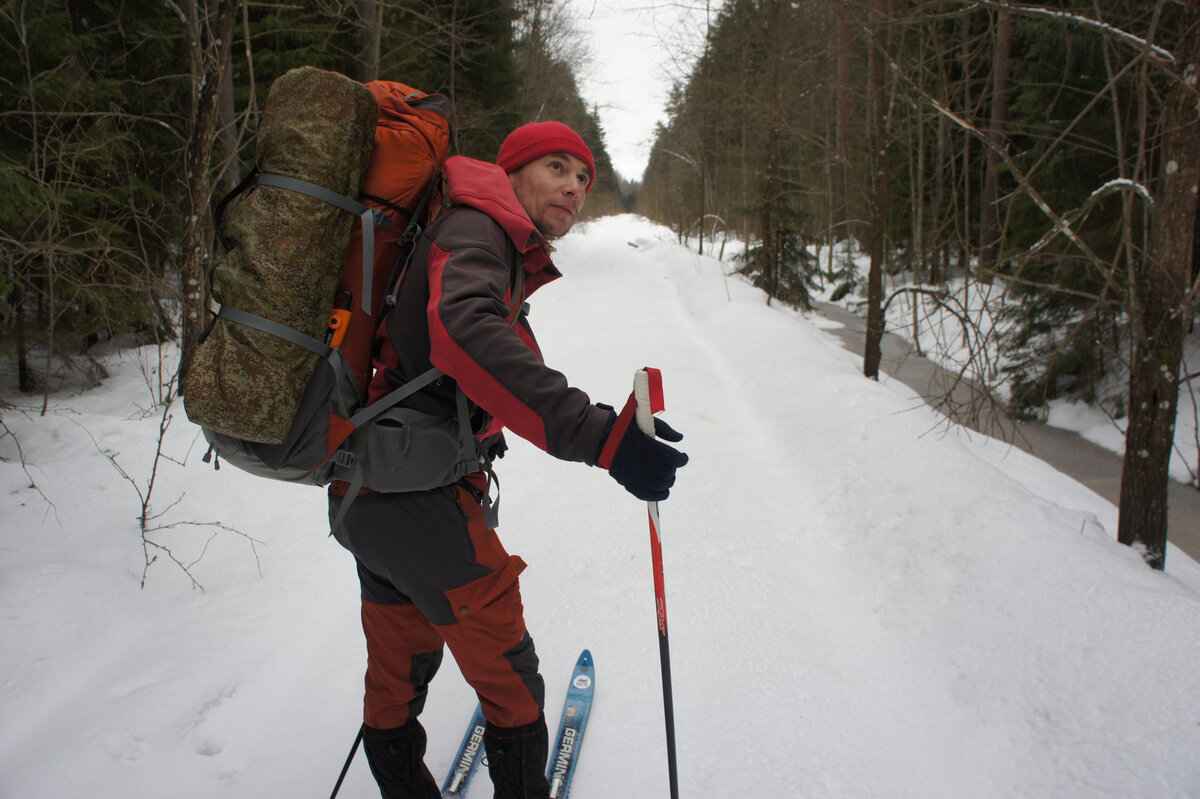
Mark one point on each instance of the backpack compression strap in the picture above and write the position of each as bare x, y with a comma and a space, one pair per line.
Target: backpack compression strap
369, 216
275, 329
320, 348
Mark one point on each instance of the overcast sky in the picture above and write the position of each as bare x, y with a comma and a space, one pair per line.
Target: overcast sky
637, 48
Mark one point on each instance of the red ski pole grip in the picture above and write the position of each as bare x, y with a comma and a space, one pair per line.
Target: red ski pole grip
644, 401
624, 419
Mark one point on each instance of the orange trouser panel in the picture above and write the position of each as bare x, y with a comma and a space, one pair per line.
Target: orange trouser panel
403, 653
481, 619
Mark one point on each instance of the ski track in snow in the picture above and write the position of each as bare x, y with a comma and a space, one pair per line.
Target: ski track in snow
863, 601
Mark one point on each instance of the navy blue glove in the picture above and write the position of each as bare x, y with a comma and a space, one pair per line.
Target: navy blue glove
497, 448
645, 466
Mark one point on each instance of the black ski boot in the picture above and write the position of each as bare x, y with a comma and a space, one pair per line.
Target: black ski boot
397, 759
517, 760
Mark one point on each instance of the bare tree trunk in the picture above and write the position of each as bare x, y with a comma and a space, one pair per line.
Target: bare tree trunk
451, 88
369, 32
938, 264
916, 252
1160, 311
943, 161
208, 39
876, 98
964, 239
25, 382
227, 135
227, 139
773, 186
989, 220
841, 192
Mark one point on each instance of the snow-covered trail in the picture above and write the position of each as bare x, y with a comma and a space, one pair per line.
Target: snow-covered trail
843, 541
735, 529
862, 601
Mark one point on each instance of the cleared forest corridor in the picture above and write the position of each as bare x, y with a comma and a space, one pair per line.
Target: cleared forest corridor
1092, 465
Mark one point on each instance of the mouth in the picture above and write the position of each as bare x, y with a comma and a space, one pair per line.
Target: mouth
566, 209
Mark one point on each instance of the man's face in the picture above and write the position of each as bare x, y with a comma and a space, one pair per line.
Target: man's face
552, 191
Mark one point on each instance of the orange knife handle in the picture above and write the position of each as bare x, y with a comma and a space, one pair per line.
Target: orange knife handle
339, 320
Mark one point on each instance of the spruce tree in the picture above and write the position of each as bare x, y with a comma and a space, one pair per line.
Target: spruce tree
86, 132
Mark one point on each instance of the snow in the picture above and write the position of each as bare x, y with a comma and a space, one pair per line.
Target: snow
864, 601
934, 326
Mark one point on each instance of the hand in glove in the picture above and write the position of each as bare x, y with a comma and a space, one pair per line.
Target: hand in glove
496, 449
646, 466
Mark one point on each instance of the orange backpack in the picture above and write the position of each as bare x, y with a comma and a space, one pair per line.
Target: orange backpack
332, 434
412, 139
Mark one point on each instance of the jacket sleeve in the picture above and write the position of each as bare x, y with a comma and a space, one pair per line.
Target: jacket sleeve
496, 364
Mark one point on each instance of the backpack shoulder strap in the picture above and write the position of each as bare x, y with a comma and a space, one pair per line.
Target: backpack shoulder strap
468, 447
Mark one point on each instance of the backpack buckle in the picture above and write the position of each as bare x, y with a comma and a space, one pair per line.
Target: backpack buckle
380, 219
346, 458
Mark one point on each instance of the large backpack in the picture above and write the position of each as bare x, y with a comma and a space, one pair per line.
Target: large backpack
345, 178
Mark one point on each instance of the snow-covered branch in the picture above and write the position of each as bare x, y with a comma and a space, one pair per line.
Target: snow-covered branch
1059, 222
1063, 225
1121, 184
1152, 50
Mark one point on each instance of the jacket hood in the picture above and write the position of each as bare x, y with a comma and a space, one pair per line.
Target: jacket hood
486, 187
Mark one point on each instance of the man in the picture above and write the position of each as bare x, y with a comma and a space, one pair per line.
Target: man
432, 571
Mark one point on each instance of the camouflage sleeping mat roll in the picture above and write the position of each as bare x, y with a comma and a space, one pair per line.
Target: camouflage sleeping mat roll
286, 252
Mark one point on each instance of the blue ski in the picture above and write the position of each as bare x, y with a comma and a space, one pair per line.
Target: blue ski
469, 753
565, 750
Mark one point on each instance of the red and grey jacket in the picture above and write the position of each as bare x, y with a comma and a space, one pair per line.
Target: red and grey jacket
453, 312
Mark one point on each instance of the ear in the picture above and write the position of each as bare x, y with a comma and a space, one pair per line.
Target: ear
514, 177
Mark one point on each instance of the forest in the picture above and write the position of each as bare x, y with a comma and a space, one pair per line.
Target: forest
1049, 148
1045, 153
123, 123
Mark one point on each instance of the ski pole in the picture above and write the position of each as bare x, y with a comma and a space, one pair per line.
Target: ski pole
648, 393
346, 767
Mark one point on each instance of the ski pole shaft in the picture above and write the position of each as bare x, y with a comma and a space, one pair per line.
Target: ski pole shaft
647, 390
337, 787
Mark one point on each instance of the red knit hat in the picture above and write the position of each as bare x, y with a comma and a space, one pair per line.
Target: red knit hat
530, 142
